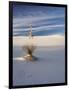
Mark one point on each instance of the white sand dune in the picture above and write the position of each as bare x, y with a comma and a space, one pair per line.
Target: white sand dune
49, 68
53, 40
50, 65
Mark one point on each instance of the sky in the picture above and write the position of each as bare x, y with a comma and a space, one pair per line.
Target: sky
45, 20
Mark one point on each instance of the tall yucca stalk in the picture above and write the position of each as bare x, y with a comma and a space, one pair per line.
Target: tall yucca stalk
29, 47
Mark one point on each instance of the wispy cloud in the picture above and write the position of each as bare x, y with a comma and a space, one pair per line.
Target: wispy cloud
46, 20
24, 21
36, 29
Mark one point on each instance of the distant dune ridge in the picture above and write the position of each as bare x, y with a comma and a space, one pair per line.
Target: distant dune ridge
52, 40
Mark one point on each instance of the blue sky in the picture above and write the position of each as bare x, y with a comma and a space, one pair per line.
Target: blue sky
45, 20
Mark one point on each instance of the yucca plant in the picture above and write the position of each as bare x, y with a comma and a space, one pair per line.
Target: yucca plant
29, 49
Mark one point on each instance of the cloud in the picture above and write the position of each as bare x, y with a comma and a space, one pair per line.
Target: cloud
39, 23
24, 21
36, 29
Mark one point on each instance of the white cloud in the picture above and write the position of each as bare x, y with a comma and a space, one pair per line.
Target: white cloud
48, 27
24, 21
